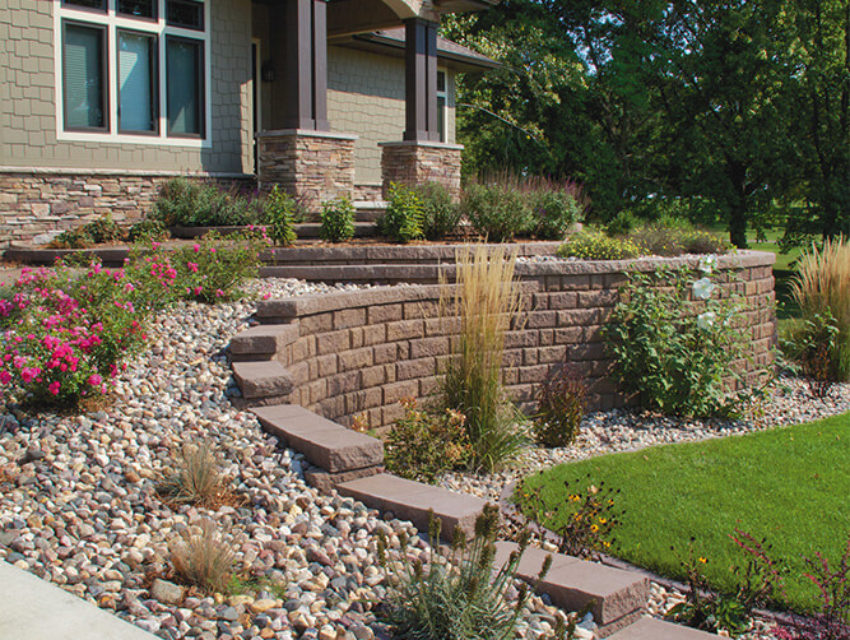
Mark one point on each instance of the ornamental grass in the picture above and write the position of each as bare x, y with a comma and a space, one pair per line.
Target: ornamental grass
484, 301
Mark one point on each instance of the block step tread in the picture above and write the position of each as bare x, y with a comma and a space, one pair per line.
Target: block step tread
652, 629
410, 500
263, 379
325, 444
573, 583
263, 339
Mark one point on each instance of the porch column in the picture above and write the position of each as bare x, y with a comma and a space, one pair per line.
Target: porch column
421, 80
302, 43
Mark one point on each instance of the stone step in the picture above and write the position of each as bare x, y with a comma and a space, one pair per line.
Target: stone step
651, 629
264, 340
618, 597
369, 210
410, 500
324, 443
264, 379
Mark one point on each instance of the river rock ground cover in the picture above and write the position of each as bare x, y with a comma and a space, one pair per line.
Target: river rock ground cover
78, 505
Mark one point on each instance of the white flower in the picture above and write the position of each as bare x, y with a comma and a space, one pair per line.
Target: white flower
703, 288
707, 264
706, 320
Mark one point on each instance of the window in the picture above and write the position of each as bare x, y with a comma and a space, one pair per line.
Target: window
185, 86
442, 96
84, 90
133, 70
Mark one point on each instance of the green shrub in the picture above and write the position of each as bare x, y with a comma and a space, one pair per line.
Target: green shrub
703, 242
669, 357
100, 231
183, 202
673, 238
812, 343
593, 245
460, 595
498, 212
622, 224
422, 445
440, 216
554, 212
146, 230
337, 220
279, 212
561, 404
403, 219
72, 239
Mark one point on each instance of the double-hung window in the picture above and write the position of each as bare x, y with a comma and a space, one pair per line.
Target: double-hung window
133, 70
442, 99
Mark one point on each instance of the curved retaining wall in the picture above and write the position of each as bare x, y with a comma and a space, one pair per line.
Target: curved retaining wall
357, 354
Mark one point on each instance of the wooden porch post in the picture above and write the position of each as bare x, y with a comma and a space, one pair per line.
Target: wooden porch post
421, 80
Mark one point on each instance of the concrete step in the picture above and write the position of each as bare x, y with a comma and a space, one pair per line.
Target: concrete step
262, 341
325, 444
362, 229
410, 500
264, 379
618, 597
369, 210
651, 629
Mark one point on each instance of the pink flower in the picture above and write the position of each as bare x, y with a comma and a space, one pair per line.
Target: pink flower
193, 267
5, 377
266, 296
212, 249
219, 293
196, 248
198, 290
53, 387
94, 380
29, 374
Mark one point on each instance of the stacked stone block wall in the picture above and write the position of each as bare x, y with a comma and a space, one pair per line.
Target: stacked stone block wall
413, 163
357, 355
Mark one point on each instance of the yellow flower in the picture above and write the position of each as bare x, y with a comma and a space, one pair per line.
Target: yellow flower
702, 560
603, 520
606, 544
594, 528
576, 516
574, 498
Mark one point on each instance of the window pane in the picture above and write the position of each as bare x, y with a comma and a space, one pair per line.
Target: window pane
83, 77
88, 4
441, 81
185, 13
185, 86
136, 82
140, 8
441, 118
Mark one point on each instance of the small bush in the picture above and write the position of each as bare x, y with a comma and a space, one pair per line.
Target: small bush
422, 445
100, 231
498, 212
337, 220
195, 479
403, 219
703, 242
147, 230
554, 212
593, 245
622, 224
811, 344
192, 203
72, 239
203, 558
584, 524
561, 404
440, 216
279, 212
458, 596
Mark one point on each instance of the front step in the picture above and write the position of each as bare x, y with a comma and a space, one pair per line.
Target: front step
413, 501
262, 380
326, 444
652, 629
263, 341
369, 210
616, 597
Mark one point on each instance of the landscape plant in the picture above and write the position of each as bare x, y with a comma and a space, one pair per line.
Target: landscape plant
279, 214
595, 245
485, 302
554, 210
459, 595
101, 230
498, 212
674, 338
404, 217
440, 215
195, 478
202, 557
812, 343
561, 405
421, 444
337, 219
192, 203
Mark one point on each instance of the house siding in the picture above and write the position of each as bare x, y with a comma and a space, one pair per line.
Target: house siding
28, 127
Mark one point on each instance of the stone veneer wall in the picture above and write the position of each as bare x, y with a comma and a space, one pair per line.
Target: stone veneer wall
358, 354
416, 162
33, 203
312, 166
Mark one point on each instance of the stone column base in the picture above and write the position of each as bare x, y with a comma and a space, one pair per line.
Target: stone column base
312, 166
413, 162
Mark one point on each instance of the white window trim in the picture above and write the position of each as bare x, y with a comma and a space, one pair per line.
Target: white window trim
444, 94
113, 21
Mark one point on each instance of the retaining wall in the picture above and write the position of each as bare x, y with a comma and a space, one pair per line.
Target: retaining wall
358, 354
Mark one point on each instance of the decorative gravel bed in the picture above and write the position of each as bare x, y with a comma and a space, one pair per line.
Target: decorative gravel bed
78, 505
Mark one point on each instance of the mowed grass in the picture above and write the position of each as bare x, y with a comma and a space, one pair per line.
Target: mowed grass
790, 484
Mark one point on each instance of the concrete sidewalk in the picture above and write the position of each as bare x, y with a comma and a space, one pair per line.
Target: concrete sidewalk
33, 609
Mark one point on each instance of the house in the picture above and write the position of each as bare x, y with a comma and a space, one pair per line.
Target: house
103, 100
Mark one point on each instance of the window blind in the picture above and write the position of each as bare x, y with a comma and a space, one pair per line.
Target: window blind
83, 90
135, 82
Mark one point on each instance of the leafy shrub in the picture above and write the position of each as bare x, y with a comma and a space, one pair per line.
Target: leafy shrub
422, 445
440, 216
458, 596
195, 479
200, 204
699, 241
584, 524
498, 212
811, 343
403, 219
147, 230
279, 211
622, 224
561, 404
822, 287
203, 558
337, 220
486, 300
675, 237
670, 358
554, 212
593, 245
102, 230
72, 239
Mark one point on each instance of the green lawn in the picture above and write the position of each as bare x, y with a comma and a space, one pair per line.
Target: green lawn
790, 484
